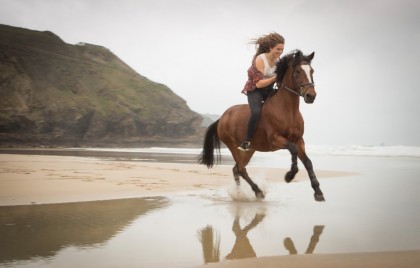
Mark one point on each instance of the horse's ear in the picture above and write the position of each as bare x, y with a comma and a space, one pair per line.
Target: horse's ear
311, 56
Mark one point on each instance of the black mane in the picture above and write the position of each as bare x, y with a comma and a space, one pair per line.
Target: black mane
292, 59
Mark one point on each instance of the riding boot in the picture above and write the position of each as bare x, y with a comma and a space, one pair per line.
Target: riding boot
245, 146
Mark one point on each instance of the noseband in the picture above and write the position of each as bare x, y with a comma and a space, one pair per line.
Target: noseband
301, 87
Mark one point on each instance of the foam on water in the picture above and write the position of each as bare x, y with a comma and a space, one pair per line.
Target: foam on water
343, 150
360, 150
244, 193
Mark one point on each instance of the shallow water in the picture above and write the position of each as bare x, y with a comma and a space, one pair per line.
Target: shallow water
376, 210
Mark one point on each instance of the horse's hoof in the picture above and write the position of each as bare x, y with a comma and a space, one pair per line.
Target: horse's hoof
260, 195
319, 197
290, 175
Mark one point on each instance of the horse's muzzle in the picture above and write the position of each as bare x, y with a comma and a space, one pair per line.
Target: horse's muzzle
309, 95
309, 98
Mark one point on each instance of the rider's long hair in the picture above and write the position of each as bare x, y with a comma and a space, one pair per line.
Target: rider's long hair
266, 42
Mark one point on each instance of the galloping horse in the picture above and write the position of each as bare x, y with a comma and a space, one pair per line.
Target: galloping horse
280, 125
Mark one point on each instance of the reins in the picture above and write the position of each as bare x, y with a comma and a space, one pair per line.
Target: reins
291, 90
302, 87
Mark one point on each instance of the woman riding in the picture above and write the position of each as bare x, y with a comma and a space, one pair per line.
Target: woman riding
261, 78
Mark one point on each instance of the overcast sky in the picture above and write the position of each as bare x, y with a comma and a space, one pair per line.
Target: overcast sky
366, 65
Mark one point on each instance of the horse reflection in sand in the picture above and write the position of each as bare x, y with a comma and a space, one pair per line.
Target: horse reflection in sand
210, 240
242, 248
280, 126
290, 246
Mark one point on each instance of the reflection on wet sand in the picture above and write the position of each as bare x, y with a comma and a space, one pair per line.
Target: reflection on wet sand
290, 246
42, 230
243, 248
210, 240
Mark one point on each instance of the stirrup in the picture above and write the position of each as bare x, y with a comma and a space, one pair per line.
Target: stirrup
244, 146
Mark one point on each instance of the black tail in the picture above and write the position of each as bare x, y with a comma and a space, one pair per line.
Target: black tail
211, 141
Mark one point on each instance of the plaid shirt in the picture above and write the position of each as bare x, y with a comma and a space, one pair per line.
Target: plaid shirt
253, 77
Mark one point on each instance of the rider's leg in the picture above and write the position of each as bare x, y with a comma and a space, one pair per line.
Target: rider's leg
255, 99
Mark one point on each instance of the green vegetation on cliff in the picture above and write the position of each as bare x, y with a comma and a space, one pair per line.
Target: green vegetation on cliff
55, 93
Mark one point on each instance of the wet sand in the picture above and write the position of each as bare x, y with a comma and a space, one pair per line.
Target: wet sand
403, 259
184, 215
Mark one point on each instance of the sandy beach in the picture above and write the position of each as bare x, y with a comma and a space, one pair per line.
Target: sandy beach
39, 179
184, 215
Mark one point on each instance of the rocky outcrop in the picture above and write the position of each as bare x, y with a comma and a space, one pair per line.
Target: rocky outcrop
53, 93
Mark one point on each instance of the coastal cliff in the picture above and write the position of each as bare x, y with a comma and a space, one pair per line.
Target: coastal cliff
58, 94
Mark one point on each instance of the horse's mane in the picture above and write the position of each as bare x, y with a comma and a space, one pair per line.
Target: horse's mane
292, 59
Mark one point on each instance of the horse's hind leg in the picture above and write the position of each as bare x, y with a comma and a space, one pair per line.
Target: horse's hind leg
245, 159
236, 174
319, 196
258, 193
242, 159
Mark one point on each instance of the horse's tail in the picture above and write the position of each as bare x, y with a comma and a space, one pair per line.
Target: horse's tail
211, 141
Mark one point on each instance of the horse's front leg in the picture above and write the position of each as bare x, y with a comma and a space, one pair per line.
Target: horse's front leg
319, 196
279, 142
290, 175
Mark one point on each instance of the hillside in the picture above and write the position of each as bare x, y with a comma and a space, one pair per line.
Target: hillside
57, 94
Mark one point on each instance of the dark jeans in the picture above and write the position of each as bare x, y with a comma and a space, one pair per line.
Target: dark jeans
255, 100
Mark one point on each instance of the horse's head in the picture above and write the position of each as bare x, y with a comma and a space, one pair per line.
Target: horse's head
294, 73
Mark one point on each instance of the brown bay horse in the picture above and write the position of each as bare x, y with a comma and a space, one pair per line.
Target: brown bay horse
280, 125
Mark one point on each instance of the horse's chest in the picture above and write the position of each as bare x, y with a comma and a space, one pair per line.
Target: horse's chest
295, 134
290, 129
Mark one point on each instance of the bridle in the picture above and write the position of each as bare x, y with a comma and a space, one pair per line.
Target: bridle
301, 92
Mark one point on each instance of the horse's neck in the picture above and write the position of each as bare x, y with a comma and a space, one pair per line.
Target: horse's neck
288, 99
284, 101
283, 105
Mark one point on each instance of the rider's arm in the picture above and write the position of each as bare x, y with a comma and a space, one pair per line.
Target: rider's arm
259, 63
